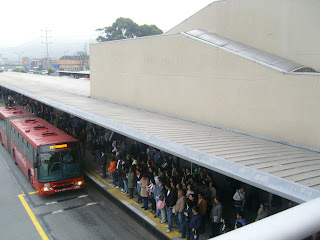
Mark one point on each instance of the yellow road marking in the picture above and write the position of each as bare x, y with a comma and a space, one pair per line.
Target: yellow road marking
33, 192
115, 192
33, 217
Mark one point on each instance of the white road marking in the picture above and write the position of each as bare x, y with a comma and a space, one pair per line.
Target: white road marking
55, 212
50, 203
83, 196
90, 204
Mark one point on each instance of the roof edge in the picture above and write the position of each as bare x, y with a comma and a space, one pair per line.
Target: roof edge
214, 1
132, 39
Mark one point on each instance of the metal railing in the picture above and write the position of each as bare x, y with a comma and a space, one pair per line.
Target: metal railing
296, 223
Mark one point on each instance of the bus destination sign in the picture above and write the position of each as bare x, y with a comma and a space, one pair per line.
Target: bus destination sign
59, 146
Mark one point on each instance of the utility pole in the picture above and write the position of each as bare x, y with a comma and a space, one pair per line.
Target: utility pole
47, 45
19, 54
64, 55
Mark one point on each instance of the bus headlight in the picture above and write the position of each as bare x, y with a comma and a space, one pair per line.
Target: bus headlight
78, 183
45, 189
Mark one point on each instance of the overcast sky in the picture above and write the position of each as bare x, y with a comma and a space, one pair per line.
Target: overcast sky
22, 20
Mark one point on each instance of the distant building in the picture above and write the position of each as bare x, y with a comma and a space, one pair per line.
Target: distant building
32, 64
73, 63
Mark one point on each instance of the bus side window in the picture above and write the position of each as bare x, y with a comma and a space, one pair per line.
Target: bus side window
5, 125
29, 153
2, 124
35, 158
13, 134
19, 141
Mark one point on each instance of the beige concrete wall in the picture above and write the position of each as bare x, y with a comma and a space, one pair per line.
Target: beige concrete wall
179, 76
287, 28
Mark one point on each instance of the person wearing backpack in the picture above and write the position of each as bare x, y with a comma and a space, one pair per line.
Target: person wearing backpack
157, 193
162, 206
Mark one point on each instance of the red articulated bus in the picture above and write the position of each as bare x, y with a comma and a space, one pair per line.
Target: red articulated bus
49, 157
7, 114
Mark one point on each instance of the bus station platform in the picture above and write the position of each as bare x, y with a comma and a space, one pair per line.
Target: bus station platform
94, 173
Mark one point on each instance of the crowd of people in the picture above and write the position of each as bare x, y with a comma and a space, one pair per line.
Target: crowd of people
180, 198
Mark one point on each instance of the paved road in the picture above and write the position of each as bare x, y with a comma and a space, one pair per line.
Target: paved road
85, 214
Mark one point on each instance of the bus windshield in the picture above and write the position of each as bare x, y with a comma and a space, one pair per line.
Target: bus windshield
59, 164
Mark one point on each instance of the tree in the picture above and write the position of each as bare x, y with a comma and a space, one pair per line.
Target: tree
124, 28
83, 58
50, 71
149, 30
86, 63
19, 70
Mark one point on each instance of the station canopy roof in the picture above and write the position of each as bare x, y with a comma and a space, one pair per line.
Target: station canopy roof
288, 171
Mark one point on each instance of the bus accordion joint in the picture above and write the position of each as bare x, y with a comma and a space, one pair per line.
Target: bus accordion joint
48, 134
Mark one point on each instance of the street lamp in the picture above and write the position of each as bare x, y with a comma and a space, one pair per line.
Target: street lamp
64, 56
19, 54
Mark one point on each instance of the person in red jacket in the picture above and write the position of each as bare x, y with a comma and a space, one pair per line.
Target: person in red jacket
112, 169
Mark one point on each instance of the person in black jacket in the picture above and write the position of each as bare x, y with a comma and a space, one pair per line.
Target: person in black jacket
135, 149
195, 223
187, 213
103, 163
96, 150
171, 199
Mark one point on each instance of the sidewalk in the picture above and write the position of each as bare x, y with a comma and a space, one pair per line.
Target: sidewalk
94, 172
